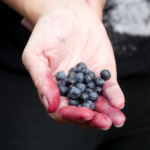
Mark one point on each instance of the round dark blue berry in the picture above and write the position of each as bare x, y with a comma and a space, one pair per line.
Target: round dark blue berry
83, 70
88, 78
91, 85
92, 74
88, 90
79, 105
63, 90
98, 90
105, 74
73, 102
75, 93
102, 82
87, 72
84, 96
68, 95
93, 96
71, 70
61, 75
71, 75
85, 104
92, 104
79, 77
80, 100
81, 87
71, 86
61, 83
70, 81
78, 69
82, 65
99, 81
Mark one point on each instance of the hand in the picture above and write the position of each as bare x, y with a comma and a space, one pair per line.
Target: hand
61, 38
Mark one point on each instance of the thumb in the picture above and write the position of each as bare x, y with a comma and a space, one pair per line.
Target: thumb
38, 67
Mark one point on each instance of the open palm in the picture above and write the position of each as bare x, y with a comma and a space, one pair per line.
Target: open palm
60, 40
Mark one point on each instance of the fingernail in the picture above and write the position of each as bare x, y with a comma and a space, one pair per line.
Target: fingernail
123, 105
119, 126
45, 101
105, 129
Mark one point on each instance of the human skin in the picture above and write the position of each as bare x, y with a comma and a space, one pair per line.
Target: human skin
65, 33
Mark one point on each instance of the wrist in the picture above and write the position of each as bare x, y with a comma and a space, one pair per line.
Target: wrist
46, 6
98, 6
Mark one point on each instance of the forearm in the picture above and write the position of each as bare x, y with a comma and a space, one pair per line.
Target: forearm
34, 9
30, 9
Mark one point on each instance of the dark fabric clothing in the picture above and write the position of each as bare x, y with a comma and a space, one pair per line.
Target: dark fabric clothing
24, 124
135, 134
132, 53
13, 38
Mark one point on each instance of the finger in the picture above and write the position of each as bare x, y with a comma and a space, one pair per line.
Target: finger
72, 114
27, 24
38, 67
103, 106
114, 94
100, 122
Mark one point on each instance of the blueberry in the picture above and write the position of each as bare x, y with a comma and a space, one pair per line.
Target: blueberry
102, 82
70, 81
105, 74
85, 104
71, 86
81, 87
78, 69
80, 100
84, 96
75, 93
93, 96
91, 85
71, 75
99, 81
88, 90
61, 75
87, 71
83, 70
92, 74
68, 95
71, 70
79, 77
98, 90
88, 78
73, 102
92, 104
63, 90
81, 64
61, 82
79, 105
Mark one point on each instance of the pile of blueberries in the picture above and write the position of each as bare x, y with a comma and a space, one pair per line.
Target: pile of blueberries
81, 86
